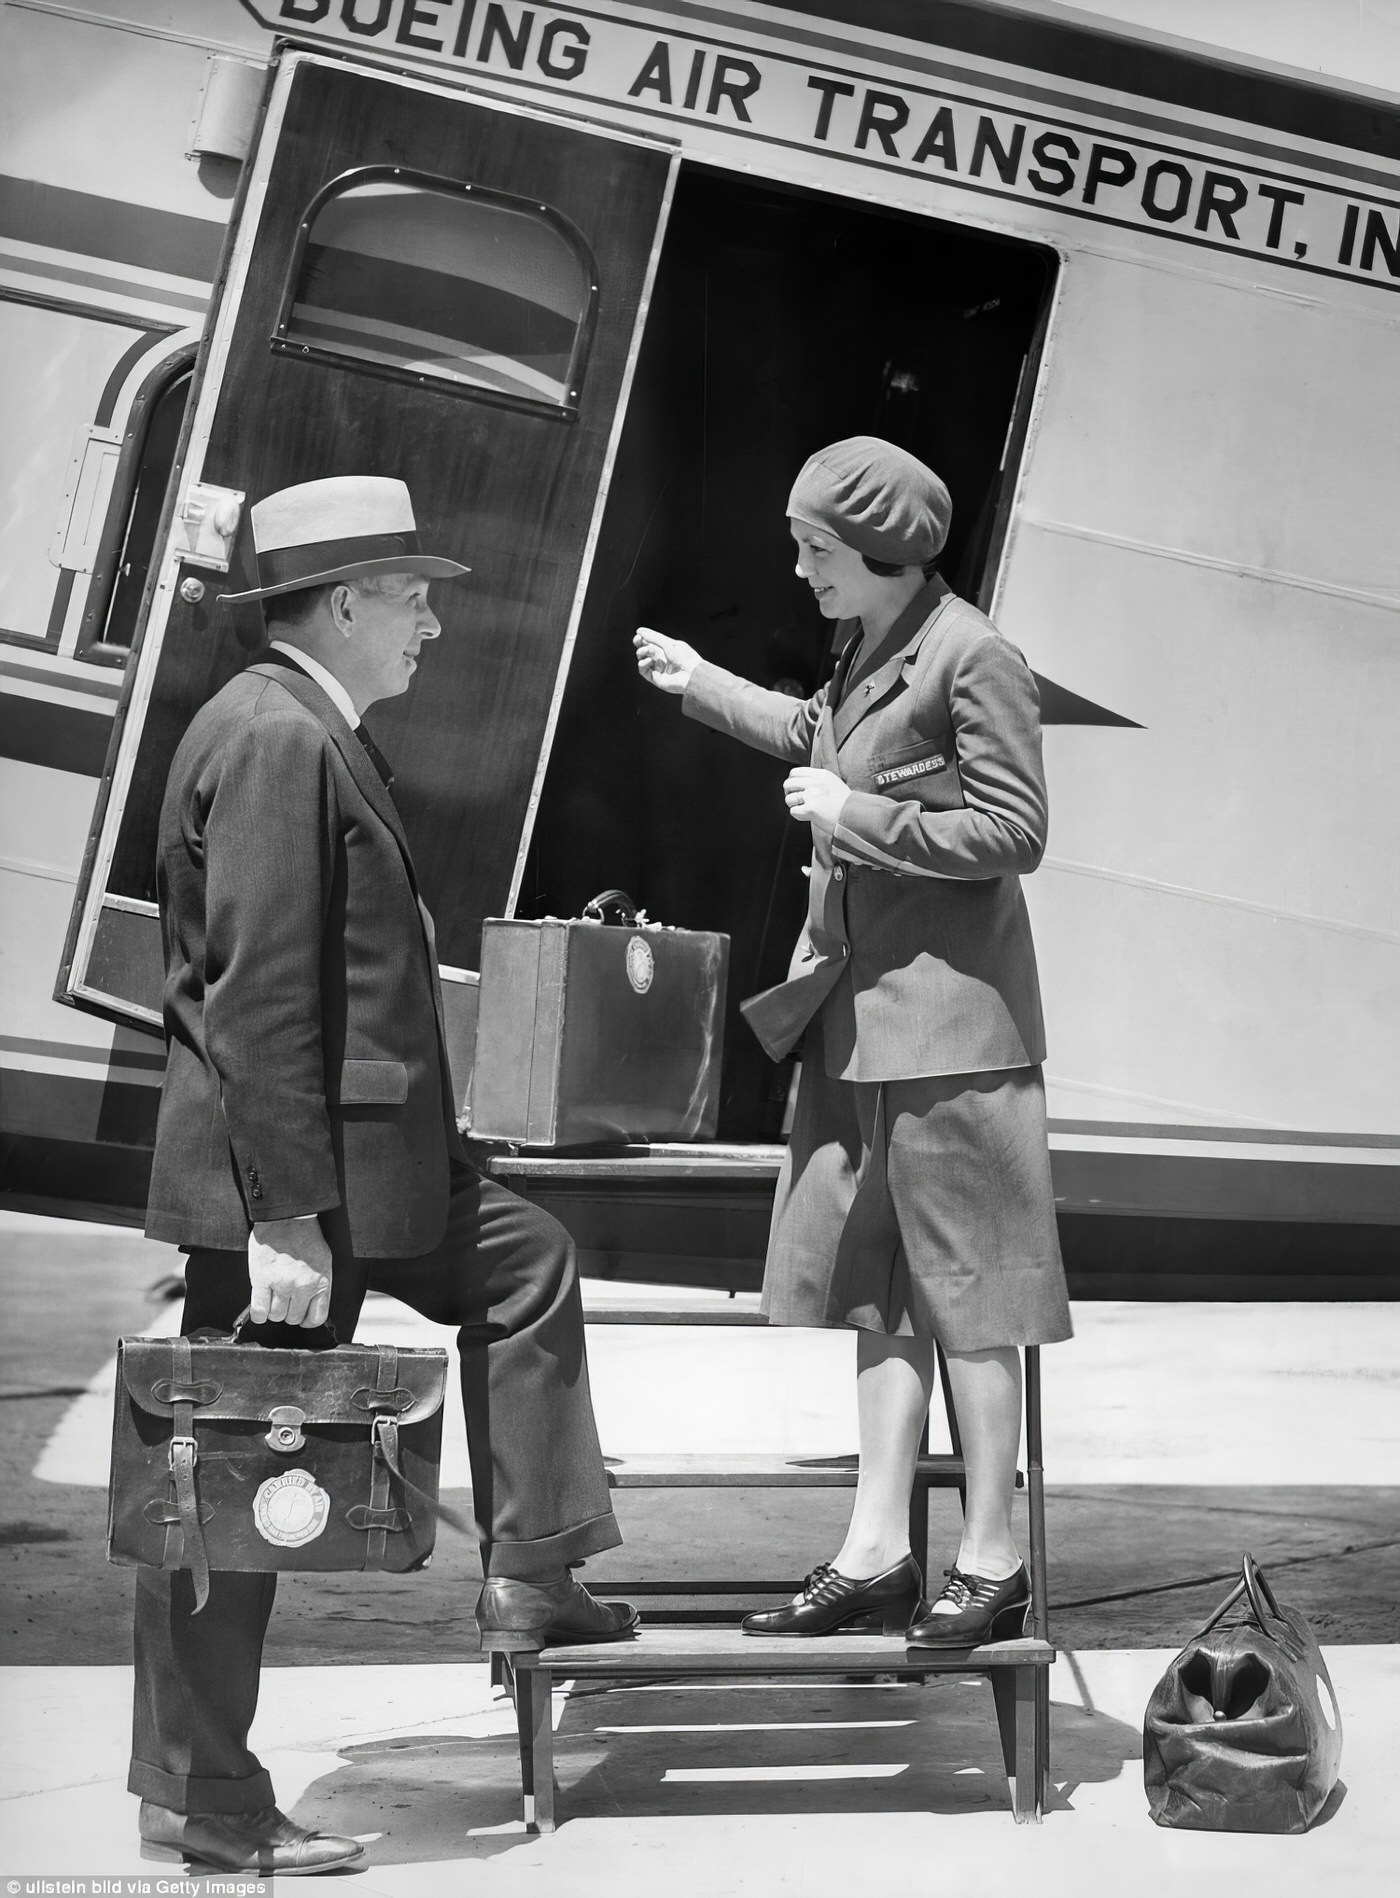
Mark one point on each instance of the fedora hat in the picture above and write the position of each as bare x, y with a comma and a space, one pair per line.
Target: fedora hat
320, 531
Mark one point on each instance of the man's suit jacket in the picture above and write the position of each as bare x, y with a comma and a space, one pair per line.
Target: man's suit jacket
306, 1064
917, 946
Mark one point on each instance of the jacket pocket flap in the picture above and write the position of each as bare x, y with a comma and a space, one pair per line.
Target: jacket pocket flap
373, 1084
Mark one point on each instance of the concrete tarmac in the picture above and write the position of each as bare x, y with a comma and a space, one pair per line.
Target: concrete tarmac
713, 1791
1176, 1437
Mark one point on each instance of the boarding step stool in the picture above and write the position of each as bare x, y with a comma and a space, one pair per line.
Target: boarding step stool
1018, 1670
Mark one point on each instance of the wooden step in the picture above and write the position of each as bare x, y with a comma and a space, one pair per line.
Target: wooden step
757, 1471
724, 1651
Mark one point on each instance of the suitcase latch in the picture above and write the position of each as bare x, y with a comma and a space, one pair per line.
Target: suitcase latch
286, 1433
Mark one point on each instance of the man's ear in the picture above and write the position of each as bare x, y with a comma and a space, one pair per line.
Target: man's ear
343, 609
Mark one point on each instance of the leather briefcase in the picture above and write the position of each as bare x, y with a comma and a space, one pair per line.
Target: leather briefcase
1243, 1732
591, 1031
231, 1455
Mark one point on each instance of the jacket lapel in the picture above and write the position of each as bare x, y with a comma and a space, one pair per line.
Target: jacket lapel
306, 692
896, 657
845, 659
824, 740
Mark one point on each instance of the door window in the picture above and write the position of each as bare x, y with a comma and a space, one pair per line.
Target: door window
438, 282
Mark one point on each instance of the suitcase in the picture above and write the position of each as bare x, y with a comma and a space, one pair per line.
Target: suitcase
590, 1031
229, 1455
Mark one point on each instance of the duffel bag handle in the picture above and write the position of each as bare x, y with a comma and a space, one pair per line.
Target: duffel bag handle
1251, 1587
597, 906
1261, 1596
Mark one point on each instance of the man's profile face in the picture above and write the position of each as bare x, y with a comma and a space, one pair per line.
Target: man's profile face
390, 628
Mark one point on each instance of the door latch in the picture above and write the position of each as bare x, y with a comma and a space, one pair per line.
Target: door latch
208, 520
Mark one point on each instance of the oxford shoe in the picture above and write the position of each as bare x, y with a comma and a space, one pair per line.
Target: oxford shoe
983, 1611
831, 1603
266, 1842
517, 1616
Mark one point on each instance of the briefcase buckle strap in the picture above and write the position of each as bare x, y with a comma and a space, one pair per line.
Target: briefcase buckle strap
161, 1513
184, 1454
166, 1390
361, 1516
393, 1402
384, 1436
386, 1454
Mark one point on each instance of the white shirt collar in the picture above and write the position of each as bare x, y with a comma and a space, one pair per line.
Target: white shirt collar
327, 681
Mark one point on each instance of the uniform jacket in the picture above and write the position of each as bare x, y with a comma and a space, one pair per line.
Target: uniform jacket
306, 1064
917, 946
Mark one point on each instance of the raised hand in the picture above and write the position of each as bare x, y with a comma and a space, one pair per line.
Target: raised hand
663, 662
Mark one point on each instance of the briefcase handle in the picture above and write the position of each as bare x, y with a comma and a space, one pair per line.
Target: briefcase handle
605, 900
318, 1337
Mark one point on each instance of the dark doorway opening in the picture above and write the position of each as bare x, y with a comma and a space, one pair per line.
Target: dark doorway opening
781, 321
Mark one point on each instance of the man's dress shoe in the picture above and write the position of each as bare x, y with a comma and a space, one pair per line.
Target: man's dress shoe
832, 1603
985, 1611
518, 1616
265, 1841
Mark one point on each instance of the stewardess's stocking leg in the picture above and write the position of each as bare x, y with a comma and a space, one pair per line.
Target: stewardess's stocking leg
986, 1387
894, 1382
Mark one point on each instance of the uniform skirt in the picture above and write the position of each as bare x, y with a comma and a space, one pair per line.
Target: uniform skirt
919, 1207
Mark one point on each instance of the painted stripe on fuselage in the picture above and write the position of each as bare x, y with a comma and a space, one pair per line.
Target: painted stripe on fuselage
108, 687
110, 228
33, 731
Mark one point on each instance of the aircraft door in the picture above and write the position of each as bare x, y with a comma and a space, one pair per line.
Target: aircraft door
421, 284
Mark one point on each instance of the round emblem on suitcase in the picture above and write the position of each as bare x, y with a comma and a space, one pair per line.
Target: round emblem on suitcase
291, 1510
641, 964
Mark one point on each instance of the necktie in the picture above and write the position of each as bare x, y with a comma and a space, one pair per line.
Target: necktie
376, 756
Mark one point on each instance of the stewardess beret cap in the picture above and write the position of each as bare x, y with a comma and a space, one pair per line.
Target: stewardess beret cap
879, 499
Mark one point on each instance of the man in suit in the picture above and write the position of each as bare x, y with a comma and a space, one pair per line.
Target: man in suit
307, 1148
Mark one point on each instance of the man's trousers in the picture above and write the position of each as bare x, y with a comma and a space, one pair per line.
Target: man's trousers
504, 1275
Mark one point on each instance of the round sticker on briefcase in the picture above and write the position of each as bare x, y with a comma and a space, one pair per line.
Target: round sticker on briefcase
291, 1509
641, 964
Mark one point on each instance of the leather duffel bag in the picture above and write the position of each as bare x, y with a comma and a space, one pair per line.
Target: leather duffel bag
232, 1455
1243, 1732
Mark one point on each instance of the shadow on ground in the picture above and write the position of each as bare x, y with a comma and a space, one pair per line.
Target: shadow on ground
722, 1750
